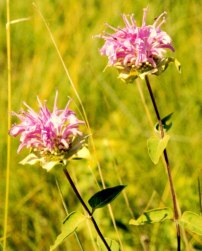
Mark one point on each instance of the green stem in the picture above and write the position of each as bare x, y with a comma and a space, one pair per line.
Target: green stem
173, 194
8, 44
86, 208
199, 193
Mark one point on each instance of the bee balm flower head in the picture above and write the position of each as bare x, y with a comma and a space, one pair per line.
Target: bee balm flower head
53, 137
136, 51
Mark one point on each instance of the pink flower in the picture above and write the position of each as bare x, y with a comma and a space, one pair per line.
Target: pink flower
48, 134
135, 50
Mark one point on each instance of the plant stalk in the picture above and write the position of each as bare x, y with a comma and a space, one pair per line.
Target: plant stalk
86, 208
8, 165
199, 193
173, 194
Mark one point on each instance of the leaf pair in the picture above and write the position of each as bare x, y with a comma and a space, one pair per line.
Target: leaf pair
70, 225
189, 220
129, 74
74, 219
156, 144
166, 126
153, 216
78, 150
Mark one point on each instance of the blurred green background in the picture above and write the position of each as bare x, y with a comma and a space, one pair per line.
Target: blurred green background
116, 115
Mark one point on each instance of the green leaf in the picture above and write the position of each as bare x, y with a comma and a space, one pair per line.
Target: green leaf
129, 74
70, 224
78, 150
164, 121
192, 222
104, 197
114, 246
156, 146
153, 216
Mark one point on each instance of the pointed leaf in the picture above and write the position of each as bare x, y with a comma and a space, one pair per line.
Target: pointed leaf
192, 222
70, 224
164, 121
156, 146
104, 197
114, 246
153, 216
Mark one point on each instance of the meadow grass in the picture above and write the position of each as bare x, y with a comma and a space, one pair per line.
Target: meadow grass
117, 120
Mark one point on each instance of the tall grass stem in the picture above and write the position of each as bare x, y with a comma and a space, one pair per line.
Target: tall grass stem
199, 194
144, 103
74, 89
8, 45
66, 211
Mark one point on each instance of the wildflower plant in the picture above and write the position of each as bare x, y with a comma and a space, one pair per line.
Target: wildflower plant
54, 139
139, 52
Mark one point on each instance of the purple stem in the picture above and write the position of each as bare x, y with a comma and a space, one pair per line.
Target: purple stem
85, 207
173, 194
